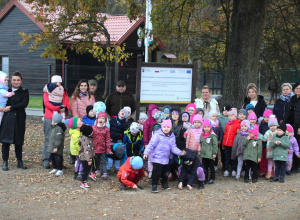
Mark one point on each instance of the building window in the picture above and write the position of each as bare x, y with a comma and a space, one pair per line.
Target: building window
4, 64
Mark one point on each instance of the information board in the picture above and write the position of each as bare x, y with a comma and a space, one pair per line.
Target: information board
166, 85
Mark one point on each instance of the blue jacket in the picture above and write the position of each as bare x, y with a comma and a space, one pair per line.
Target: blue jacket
117, 129
133, 148
3, 90
114, 157
88, 121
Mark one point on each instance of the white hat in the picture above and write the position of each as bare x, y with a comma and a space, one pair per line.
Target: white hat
134, 127
143, 115
56, 79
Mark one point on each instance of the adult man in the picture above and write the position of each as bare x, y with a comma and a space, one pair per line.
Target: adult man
93, 85
118, 99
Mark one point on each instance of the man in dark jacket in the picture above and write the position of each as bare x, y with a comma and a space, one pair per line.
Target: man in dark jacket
118, 99
93, 85
273, 88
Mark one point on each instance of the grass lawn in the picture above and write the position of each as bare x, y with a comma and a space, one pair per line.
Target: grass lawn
35, 102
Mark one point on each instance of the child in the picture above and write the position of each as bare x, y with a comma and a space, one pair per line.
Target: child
86, 152
252, 118
272, 123
75, 123
3, 91
238, 146
252, 153
294, 148
90, 117
193, 137
161, 146
242, 114
131, 172
100, 107
129, 118
231, 129
118, 125
118, 153
133, 140
200, 111
223, 119
209, 150
167, 111
250, 108
185, 117
56, 92
56, 144
143, 117
190, 171
191, 109
280, 144
101, 140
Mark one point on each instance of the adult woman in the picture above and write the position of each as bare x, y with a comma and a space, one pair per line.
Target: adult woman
81, 98
293, 118
49, 109
281, 105
256, 100
12, 128
207, 103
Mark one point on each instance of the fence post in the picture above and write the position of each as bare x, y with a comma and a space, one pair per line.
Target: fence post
66, 75
49, 72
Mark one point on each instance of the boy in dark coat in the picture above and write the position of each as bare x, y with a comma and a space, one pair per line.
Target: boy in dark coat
118, 125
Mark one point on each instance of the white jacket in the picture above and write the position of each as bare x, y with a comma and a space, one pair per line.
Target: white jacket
213, 106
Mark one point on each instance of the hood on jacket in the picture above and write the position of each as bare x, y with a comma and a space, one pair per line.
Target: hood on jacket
288, 125
99, 107
193, 106
3, 75
62, 125
150, 109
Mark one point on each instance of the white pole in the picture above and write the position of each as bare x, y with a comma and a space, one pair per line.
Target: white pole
148, 12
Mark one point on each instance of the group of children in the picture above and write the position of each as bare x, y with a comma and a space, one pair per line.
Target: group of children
182, 145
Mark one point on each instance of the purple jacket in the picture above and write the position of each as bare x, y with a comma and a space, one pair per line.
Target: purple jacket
161, 148
294, 147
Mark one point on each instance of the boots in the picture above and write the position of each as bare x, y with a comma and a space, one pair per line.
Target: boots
5, 165
21, 165
269, 175
201, 184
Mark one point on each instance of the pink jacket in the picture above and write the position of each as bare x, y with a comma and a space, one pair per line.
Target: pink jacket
78, 105
192, 143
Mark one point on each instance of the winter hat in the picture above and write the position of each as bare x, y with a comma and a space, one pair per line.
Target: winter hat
185, 114
86, 130
282, 126
267, 113
72, 122
259, 120
243, 111
289, 128
206, 123
296, 85
226, 108
211, 113
272, 121
246, 123
252, 115
57, 118
176, 109
254, 130
99, 107
159, 116
134, 127
126, 112
119, 149
56, 79
88, 109
198, 118
249, 107
136, 162
233, 111
128, 109
167, 108
166, 123
3, 75
200, 109
143, 116
102, 114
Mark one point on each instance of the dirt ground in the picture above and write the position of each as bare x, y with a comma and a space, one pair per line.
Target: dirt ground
35, 194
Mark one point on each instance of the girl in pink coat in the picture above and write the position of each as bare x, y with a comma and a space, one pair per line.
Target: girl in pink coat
191, 109
193, 137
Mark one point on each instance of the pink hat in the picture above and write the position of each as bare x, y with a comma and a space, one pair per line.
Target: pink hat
166, 123
267, 113
254, 130
289, 128
198, 118
206, 123
252, 116
233, 111
102, 114
246, 123
127, 108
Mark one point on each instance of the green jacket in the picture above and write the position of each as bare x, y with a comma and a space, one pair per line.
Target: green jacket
252, 150
209, 149
223, 121
280, 152
57, 138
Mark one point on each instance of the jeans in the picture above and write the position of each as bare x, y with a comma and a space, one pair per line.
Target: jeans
110, 162
100, 160
280, 169
47, 132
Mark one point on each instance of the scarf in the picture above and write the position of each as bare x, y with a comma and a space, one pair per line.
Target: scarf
83, 94
286, 98
215, 124
206, 134
244, 133
197, 133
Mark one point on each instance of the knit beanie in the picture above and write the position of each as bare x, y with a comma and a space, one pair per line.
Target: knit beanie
233, 111
57, 118
136, 162
246, 123
243, 111
289, 128
254, 130
167, 109
134, 127
272, 121
143, 116
198, 118
119, 149
206, 123
3, 75
259, 120
167, 123
88, 109
267, 113
249, 107
128, 109
282, 126
126, 112
56, 79
251, 116
159, 116
86, 130
185, 114
99, 107
226, 108
200, 109
72, 122
211, 113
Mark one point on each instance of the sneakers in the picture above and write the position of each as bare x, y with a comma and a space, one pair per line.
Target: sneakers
226, 173
154, 189
105, 176
216, 168
122, 187
233, 173
149, 175
237, 177
59, 173
53, 171
93, 176
98, 173
165, 186
84, 185
211, 182
201, 185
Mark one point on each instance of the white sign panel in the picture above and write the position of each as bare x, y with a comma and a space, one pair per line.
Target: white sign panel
166, 85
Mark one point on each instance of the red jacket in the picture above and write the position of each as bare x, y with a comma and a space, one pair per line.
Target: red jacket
125, 171
231, 132
101, 139
49, 108
148, 125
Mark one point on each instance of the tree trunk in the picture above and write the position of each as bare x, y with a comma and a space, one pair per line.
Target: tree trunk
107, 76
244, 50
